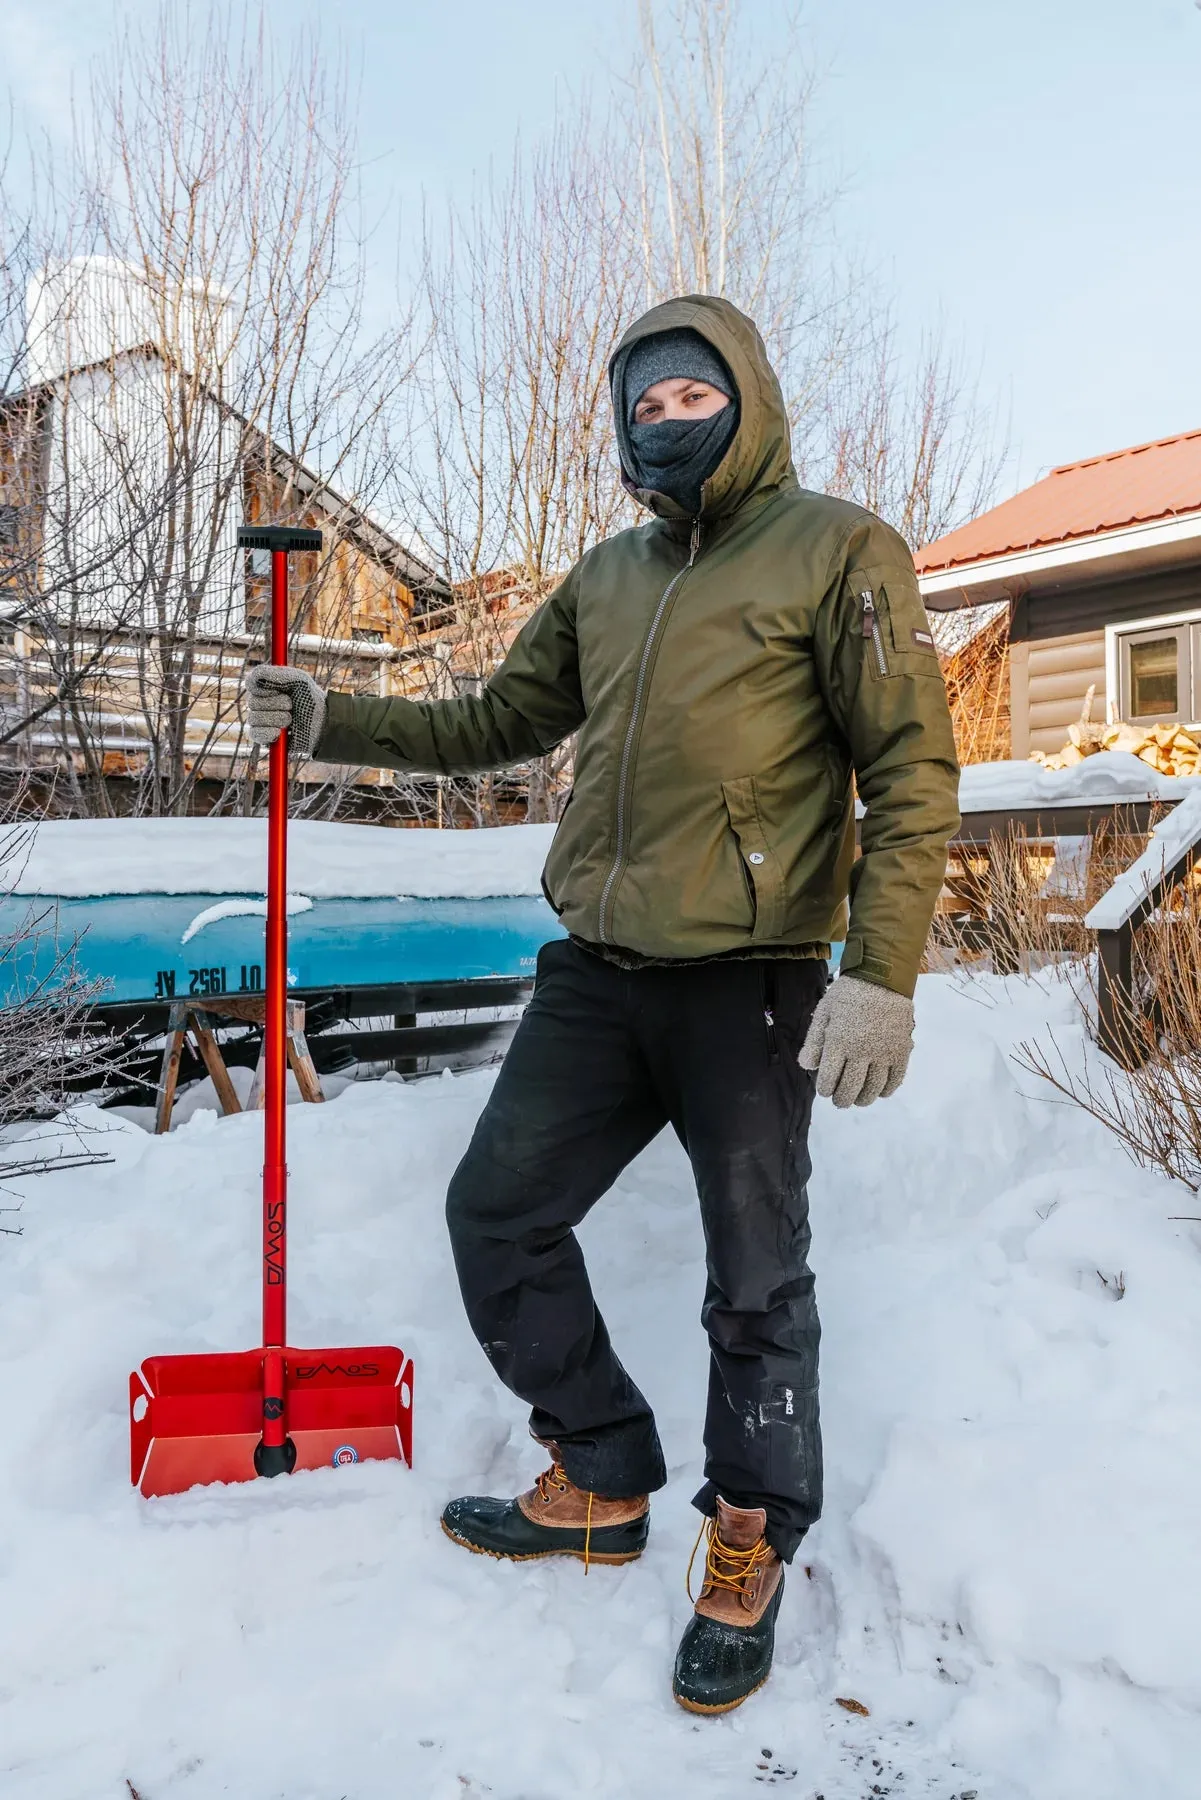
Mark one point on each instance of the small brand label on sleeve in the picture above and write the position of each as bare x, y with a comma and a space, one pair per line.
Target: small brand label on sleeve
923, 638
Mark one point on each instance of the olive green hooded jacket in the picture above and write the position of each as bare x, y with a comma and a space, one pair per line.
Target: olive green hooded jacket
728, 677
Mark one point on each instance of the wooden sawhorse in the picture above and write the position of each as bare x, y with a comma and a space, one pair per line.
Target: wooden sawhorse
201, 1021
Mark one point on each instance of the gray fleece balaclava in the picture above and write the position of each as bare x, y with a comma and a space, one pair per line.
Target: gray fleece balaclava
676, 456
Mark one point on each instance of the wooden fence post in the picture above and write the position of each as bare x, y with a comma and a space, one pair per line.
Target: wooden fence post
1117, 1028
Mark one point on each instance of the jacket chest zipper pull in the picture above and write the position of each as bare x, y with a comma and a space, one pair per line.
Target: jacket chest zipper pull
871, 629
695, 542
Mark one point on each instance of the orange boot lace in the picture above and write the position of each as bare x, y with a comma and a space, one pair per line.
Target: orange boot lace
726, 1567
556, 1477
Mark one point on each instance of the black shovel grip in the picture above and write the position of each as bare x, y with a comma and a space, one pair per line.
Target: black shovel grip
277, 537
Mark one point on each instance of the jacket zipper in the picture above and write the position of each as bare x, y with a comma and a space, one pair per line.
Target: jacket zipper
632, 728
871, 628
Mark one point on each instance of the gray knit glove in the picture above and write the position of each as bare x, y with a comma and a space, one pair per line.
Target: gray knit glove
284, 700
859, 1041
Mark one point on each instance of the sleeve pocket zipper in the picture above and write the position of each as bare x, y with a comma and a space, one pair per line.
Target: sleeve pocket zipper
871, 629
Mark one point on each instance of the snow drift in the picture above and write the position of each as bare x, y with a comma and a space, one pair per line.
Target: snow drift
1005, 1576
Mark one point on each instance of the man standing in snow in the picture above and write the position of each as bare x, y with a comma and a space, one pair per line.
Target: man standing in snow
730, 667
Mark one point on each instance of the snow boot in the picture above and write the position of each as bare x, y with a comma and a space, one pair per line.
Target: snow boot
554, 1518
726, 1650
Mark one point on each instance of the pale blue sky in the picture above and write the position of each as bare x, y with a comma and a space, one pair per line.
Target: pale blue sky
1030, 171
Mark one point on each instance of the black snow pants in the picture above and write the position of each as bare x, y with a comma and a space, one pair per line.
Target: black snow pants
602, 1060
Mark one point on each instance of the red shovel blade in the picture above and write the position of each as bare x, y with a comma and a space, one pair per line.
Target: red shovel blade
198, 1419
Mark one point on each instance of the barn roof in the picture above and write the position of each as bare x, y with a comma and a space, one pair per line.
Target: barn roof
1148, 482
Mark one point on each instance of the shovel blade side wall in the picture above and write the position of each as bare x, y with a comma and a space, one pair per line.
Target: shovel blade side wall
197, 1419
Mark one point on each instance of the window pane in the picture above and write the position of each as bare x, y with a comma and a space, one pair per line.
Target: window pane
1154, 686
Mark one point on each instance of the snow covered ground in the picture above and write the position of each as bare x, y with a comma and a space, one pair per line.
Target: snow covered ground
1006, 1575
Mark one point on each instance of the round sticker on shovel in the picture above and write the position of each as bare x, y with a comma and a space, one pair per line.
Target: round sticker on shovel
344, 1455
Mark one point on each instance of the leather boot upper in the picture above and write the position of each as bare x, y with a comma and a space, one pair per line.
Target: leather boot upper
556, 1501
742, 1571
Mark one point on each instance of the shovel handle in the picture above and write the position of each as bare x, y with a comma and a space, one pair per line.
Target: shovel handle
275, 1170
280, 540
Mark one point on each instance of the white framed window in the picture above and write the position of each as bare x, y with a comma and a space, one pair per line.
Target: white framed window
1153, 669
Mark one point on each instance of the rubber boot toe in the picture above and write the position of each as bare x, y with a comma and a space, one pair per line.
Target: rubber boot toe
500, 1528
718, 1666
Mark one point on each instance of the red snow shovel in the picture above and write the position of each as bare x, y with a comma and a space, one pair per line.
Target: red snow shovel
230, 1417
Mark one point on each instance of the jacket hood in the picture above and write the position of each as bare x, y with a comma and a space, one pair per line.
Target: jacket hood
760, 457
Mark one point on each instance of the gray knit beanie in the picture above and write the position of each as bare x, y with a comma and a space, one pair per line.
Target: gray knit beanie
684, 354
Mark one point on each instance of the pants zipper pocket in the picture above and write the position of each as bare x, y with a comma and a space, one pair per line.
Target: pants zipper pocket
769, 1013
871, 629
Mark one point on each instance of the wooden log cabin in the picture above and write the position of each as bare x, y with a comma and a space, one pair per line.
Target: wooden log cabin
127, 614
1098, 567
368, 615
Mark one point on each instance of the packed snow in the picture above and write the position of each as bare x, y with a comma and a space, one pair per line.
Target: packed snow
241, 909
1006, 1574
1171, 839
74, 857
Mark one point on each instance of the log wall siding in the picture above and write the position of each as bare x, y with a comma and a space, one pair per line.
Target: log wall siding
1071, 611
1049, 679
112, 703
1057, 647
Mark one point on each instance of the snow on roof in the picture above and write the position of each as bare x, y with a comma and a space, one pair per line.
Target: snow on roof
1171, 840
70, 858
1111, 775
1160, 480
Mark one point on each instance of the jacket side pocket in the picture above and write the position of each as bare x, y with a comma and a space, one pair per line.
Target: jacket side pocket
546, 893
758, 858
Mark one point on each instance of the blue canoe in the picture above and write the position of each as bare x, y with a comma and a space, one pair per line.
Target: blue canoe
135, 943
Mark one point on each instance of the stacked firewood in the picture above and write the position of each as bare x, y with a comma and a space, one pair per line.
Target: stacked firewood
1169, 749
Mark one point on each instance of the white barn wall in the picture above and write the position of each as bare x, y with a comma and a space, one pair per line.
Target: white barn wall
114, 527
89, 309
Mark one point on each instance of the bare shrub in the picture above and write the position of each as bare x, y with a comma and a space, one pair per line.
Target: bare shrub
734, 196
49, 1050
694, 170
974, 654
195, 344
1019, 904
1153, 1105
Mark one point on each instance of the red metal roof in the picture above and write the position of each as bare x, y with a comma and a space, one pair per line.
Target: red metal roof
1103, 493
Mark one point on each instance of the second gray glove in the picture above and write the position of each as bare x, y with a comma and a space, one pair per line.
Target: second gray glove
279, 699
859, 1042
